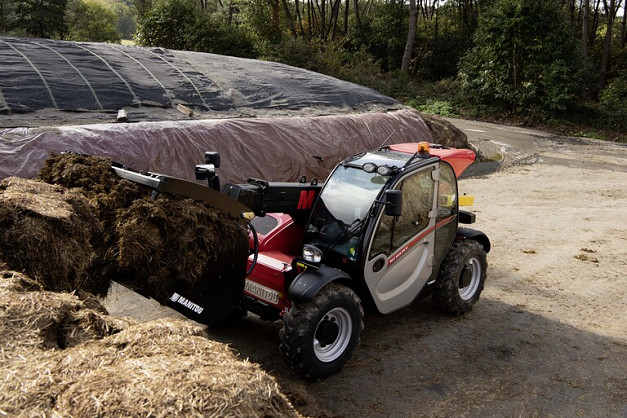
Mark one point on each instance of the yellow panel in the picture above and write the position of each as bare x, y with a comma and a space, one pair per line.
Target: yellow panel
466, 200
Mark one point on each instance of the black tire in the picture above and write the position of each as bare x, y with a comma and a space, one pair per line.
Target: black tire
461, 277
319, 336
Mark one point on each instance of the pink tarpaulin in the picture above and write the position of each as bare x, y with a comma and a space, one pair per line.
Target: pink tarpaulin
275, 149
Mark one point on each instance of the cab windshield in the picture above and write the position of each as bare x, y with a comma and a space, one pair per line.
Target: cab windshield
342, 207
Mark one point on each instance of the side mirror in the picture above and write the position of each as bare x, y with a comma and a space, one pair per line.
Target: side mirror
393, 202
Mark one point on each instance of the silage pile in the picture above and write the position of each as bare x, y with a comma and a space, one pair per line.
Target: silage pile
81, 226
60, 358
47, 230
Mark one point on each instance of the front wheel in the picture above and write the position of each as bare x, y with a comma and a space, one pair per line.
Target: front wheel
461, 277
319, 336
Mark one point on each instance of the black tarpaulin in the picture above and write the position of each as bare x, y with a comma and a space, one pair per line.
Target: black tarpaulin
54, 78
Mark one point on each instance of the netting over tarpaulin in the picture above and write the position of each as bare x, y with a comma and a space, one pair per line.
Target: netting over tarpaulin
95, 79
275, 149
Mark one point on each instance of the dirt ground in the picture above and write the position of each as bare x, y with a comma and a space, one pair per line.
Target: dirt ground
547, 338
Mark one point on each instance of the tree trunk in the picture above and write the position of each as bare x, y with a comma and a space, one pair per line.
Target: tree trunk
411, 36
595, 25
335, 13
347, 2
584, 28
605, 62
299, 18
623, 35
229, 15
437, 24
309, 19
286, 9
358, 19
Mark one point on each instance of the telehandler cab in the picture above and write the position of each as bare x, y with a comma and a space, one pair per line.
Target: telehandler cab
382, 231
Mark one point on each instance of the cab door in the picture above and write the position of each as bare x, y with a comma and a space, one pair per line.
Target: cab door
399, 257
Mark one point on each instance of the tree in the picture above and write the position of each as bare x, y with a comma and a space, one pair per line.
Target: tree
7, 16
183, 24
142, 6
42, 18
168, 24
525, 57
610, 13
623, 34
90, 20
126, 19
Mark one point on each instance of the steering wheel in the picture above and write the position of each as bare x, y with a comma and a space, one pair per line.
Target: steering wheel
253, 251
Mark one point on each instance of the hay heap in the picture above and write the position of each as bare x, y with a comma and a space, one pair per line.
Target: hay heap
60, 358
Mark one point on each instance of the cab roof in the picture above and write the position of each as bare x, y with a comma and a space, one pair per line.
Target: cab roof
398, 155
459, 158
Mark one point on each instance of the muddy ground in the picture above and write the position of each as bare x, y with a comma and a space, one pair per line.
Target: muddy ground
547, 338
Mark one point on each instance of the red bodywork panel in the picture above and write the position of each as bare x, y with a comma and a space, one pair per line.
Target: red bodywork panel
277, 249
460, 159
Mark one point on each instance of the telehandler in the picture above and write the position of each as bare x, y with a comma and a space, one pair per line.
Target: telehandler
382, 231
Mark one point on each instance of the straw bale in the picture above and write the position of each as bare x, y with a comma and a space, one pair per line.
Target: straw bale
159, 368
47, 232
31, 318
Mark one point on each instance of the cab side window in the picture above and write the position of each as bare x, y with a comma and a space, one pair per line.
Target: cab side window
447, 208
447, 193
392, 233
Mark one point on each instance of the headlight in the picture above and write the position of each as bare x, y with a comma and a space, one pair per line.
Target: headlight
369, 167
384, 170
312, 254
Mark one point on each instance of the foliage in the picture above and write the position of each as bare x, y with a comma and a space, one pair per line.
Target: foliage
265, 19
614, 103
216, 36
168, 24
41, 18
125, 20
90, 20
385, 34
525, 57
438, 107
7, 16
181, 24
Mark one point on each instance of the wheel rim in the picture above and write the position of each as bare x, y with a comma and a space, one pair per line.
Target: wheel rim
333, 334
469, 279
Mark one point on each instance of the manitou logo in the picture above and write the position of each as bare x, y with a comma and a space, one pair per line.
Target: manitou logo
306, 199
176, 298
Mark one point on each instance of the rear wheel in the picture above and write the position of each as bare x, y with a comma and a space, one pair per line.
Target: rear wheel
461, 277
319, 336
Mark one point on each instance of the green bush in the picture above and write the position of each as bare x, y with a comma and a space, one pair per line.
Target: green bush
168, 24
91, 21
181, 24
614, 96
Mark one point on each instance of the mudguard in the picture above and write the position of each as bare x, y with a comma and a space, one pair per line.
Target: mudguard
307, 284
480, 237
